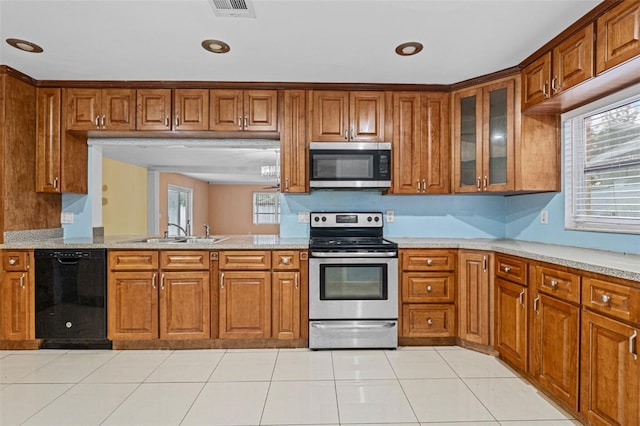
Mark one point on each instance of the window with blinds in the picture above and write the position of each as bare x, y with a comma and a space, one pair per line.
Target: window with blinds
266, 208
602, 166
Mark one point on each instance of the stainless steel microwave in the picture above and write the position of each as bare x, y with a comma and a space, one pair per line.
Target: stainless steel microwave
343, 165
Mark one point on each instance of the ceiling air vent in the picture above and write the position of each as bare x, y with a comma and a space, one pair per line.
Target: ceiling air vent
233, 8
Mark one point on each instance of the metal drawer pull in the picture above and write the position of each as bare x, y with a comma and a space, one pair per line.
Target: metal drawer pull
429, 262
605, 298
553, 283
484, 263
162, 282
12, 261
507, 269
430, 321
222, 280
296, 281
153, 281
521, 298
286, 260
22, 281
535, 304
429, 288
632, 344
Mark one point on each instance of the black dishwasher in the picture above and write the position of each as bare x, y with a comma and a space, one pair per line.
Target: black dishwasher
71, 298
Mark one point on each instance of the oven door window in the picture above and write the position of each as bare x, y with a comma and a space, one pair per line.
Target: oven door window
353, 282
342, 166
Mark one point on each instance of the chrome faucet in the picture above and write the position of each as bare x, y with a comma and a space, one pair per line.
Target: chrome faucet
206, 230
179, 227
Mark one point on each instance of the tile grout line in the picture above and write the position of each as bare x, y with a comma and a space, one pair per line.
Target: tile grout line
335, 386
266, 397
386, 355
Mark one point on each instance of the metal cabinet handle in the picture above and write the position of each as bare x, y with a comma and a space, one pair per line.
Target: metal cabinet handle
521, 298
535, 304
485, 183
166, 121
12, 261
153, 281
177, 121
240, 122
429, 288
246, 123
353, 134
97, 121
286, 259
553, 84
507, 269
430, 321
605, 298
429, 262
632, 344
478, 184
346, 134
222, 280
295, 277
418, 185
162, 282
103, 121
544, 89
55, 183
286, 184
22, 281
553, 283
484, 263
424, 185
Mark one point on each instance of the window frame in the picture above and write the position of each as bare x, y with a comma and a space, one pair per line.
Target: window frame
172, 230
255, 214
574, 166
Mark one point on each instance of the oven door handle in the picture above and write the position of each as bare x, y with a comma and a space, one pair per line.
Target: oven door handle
385, 324
354, 254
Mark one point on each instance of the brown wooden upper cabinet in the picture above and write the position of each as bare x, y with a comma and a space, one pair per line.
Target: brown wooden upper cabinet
618, 35
99, 109
421, 143
48, 140
567, 65
484, 137
178, 109
248, 110
293, 143
339, 116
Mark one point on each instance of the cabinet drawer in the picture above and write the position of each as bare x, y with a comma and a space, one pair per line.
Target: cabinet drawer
421, 287
285, 260
246, 260
428, 320
511, 268
612, 299
15, 261
133, 260
428, 260
184, 260
561, 284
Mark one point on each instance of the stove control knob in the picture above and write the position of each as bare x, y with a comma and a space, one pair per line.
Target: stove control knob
377, 219
317, 219
324, 218
369, 219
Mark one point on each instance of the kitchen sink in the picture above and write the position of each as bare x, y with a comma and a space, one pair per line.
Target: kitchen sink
178, 240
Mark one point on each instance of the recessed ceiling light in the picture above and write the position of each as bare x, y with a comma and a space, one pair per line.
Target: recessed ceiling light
25, 45
409, 48
216, 46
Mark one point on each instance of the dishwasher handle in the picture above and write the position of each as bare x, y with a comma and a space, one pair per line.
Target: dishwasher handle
68, 260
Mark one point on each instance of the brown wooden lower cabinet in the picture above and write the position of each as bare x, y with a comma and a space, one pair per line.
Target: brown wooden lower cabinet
555, 348
245, 304
610, 371
286, 305
474, 299
184, 305
132, 306
428, 320
17, 310
511, 322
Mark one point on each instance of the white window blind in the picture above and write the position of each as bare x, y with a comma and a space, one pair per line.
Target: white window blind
602, 166
266, 208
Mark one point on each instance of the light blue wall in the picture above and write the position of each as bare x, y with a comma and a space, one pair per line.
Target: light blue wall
450, 216
80, 206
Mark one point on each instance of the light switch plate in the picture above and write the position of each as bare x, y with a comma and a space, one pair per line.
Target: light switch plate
303, 217
66, 217
544, 217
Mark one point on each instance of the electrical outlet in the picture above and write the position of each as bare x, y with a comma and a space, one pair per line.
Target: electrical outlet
544, 217
66, 217
303, 217
390, 216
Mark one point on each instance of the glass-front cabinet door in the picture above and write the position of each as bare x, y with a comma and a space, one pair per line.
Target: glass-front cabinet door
484, 126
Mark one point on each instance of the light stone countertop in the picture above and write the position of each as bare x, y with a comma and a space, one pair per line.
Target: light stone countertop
621, 265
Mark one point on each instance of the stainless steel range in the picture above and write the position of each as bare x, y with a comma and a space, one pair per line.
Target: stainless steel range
353, 282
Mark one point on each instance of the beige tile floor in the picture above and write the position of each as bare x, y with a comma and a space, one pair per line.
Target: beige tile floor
410, 386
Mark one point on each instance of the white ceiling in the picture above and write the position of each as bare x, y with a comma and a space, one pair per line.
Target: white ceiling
289, 40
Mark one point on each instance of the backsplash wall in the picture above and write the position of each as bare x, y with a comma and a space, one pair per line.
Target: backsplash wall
450, 216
